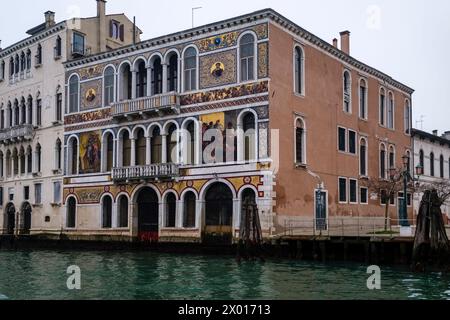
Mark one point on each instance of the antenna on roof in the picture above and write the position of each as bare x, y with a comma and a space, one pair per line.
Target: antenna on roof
193, 10
421, 121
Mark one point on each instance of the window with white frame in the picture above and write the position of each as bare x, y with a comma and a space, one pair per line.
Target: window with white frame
109, 79
247, 57
299, 71
38, 193
363, 195
342, 190
74, 93
57, 192
342, 139
363, 157
190, 69
382, 161
382, 112
352, 142
391, 157
347, 81
391, 111
363, 99
407, 116
300, 142
353, 191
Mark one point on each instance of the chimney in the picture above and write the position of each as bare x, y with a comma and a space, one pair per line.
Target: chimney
345, 41
102, 27
435, 132
446, 135
335, 42
49, 19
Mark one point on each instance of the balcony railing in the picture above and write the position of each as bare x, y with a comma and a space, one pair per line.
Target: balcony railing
153, 171
146, 104
18, 133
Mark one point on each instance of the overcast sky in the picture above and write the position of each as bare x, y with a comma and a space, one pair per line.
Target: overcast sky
407, 39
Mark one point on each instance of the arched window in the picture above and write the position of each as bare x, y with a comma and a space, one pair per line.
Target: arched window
123, 212
109, 80
16, 113
190, 143
2, 70
249, 136
2, 169
172, 73
171, 210
58, 153
247, 57
432, 164
126, 149
74, 93
71, 212
2, 118
363, 99
28, 59
407, 117
23, 62
157, 75
125, 82
422, 160
15, 160
11, 67
189, 210
17, 64
141, 79
9, 112
391, 111
382, 113
441, 166
363, 157
156, 146
382, 161
8, 164
58, 47
347, 92
29, 160
30, 109
141, 147
190, 69
39, 55
72, 151
38, 158
107, 212
172, 139
300, 142
299, 72
108, 152
22, 160
23, 111
391, 157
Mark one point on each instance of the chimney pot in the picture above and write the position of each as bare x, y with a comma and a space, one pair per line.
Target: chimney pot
101, 8
435, 132
335, 42
345, 41
446, 135
49, 18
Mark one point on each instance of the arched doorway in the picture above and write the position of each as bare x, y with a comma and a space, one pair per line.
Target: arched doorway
10, 218
218, 215
148, 215
26, 218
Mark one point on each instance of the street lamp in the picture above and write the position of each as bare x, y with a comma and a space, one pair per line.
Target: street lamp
406, 177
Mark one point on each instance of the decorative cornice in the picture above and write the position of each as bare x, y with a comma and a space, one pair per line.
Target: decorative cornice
33, 39
245, 19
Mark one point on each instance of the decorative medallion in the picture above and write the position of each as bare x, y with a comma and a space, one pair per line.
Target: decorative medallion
169, 185
217, 69
107, 189
91, 94
190, 183
247, 180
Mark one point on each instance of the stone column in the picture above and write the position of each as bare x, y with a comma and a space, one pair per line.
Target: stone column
133, 152
199, 214
164, 149
236, 214
164, 75
133, 84
179, 216
115, 153
149, 81
148, 149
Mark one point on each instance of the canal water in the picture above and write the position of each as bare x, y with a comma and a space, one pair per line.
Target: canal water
145, 275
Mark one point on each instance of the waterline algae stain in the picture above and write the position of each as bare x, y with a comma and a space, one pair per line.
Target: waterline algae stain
42, 275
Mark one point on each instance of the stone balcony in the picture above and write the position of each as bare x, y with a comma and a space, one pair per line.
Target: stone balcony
157, 105
20, 133
147, 172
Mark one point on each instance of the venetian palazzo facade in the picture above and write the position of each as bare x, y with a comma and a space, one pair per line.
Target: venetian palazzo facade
32, 104
298, 118
432, 154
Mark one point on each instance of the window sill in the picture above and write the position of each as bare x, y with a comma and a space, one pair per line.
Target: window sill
37, 205
58, 57
362, 119
56, 205
300, 165
299, 95
57, 123
38, 65
57, 171
37, 174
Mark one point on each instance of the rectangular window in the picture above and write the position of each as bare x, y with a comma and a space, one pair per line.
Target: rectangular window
59, 107
38, 193
383, 197
362, 103
343, 190
392, 198
26, 193
1, 196
57, 192
364, 195
78, 44
351, 142
382, 109
353, 191
342, 139
409, 198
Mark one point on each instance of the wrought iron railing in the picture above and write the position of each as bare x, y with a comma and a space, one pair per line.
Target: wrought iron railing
153, 171
143, 104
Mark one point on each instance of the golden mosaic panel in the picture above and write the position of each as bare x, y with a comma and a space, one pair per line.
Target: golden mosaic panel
223, 61
91, 94
263, 60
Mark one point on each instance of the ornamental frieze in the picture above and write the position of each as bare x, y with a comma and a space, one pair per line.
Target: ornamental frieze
91, 72
87, 116
218, 69
263, 60
225, 93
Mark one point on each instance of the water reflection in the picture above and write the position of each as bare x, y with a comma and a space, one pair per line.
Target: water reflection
145, 275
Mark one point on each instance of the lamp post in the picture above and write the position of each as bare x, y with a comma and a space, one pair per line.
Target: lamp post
406, 175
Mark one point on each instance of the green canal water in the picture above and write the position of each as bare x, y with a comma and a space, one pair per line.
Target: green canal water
143, 275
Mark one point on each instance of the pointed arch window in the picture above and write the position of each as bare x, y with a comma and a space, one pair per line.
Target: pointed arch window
363, 99
347, 92
300, 142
